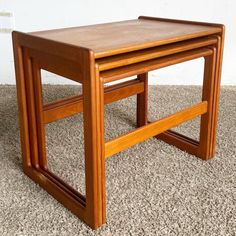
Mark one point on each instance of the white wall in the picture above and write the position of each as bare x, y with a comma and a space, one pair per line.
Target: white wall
47, 14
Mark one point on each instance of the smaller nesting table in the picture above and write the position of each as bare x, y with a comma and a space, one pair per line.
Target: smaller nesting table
93, 56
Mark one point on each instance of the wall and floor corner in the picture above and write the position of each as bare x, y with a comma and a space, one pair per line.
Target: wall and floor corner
41, 15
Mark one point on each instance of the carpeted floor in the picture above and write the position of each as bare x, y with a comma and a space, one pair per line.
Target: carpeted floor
152, 188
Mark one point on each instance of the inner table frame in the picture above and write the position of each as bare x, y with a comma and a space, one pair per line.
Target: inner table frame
33, 54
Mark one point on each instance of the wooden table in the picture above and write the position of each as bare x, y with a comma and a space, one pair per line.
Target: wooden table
93, 56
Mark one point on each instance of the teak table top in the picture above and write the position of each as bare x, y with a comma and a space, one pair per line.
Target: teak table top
125, 36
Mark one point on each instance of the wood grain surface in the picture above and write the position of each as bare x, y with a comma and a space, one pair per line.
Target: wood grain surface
119, 37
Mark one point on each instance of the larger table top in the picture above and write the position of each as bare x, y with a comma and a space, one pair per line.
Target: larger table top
125, 36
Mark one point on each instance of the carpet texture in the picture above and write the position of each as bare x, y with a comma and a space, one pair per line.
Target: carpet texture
152, 188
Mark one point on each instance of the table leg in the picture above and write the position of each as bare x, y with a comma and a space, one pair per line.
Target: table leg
142, 102
207, 119
93, 103
22, 103
219, 48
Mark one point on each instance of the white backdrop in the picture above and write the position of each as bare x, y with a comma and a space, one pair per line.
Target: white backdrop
48, 14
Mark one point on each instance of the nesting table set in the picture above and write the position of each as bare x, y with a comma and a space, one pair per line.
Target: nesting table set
94, 56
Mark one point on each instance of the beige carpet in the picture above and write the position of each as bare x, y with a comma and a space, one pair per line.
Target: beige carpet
152, 188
